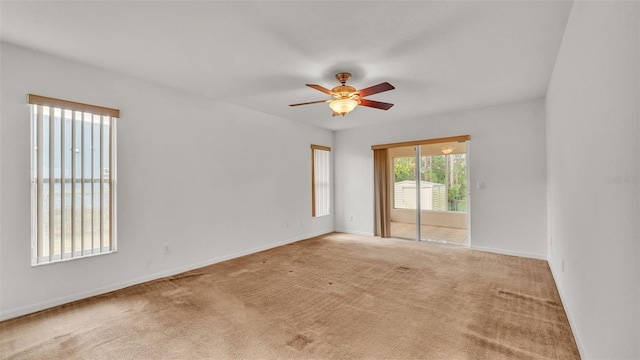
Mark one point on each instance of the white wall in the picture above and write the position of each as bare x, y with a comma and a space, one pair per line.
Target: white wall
182, 161
593, 169
506, 152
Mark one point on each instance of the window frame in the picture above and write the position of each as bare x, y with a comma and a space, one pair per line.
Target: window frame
73, 114
314, 192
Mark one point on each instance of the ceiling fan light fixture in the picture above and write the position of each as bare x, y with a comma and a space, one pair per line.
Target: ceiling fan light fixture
343, 106
447, 150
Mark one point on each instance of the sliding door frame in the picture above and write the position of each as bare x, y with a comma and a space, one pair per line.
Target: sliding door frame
382, 193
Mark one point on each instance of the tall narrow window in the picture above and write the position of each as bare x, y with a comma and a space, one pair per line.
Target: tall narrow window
321, 180
73, 162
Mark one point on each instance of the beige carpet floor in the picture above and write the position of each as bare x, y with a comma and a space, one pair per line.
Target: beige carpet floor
336, 296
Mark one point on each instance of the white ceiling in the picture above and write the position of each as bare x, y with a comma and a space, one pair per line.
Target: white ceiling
441, 56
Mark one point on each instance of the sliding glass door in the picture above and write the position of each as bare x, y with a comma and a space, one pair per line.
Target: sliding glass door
443, 175
429, 194
404, 180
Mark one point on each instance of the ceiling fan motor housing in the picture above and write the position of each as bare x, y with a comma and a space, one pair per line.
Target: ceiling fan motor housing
343, 92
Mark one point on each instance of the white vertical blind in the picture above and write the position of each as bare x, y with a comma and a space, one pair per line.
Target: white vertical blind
72, 180
322, 181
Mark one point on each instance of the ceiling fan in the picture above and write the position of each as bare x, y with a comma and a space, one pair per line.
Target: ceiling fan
345, 98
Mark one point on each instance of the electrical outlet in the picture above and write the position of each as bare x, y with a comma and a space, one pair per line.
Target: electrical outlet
166, 249
351, 218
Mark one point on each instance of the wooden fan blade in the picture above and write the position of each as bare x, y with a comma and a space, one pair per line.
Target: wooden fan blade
385, 86
311, 102
376, 104
320, 88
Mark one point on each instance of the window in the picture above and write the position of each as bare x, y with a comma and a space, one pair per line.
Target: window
443, 182
321, 180
73, 162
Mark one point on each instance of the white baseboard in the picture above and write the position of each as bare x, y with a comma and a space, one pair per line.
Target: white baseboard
574, 329
363, 233
24, 310
509, 252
